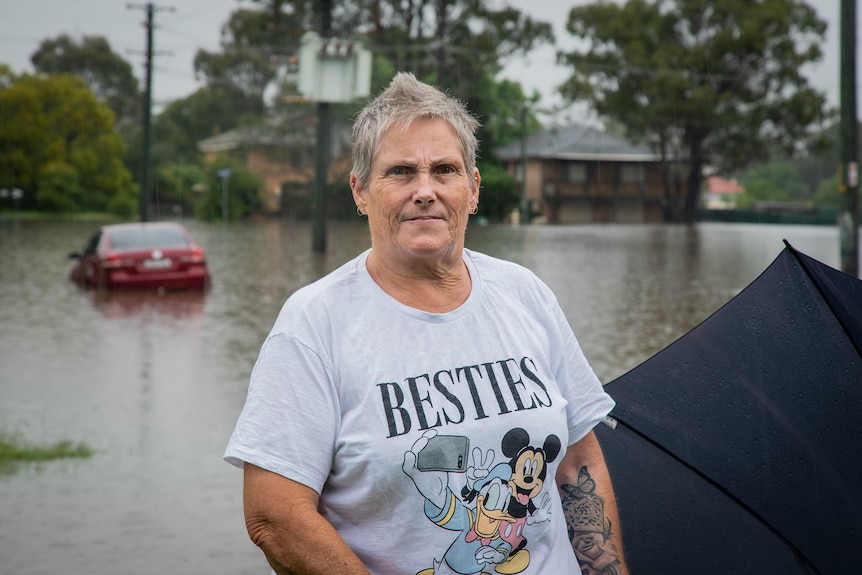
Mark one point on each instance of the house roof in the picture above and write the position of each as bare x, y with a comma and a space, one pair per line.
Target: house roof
577, 142
271, 133
719, 185
297, 130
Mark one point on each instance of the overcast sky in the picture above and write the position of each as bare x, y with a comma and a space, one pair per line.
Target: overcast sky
184, 26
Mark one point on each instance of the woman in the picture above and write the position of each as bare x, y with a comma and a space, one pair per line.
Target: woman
424, 408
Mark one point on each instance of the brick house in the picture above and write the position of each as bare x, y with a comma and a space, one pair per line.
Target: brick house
578, 174
283, 154
721, 193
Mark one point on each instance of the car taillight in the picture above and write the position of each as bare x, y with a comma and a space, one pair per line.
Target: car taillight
197, 256
111, 260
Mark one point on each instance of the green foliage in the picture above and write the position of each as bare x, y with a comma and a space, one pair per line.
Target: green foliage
499, 194
382, 72
457, 46
52, 127
823, 163
177, 182
132, 135
761, 191
242, 70
507, 101
827, 195
13, 452
712, 82
64, 449
184, 122
59, 149
243, 192
124, 204
60, 190
106, 73
773, 182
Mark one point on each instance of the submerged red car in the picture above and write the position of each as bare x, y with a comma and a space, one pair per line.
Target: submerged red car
143, 255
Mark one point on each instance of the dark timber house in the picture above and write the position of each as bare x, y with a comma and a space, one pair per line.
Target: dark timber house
578, 174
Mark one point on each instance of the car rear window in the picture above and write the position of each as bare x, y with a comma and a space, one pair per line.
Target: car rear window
142, 238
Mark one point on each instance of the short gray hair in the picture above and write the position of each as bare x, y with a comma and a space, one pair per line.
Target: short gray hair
404, 100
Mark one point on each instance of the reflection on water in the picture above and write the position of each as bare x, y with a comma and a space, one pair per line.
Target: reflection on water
154, 382
629, 291
119, 305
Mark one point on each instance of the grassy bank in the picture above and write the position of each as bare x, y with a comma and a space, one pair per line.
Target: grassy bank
13, 452
46, 216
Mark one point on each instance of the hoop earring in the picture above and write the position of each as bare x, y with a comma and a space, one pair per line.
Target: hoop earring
359, 211
475, 209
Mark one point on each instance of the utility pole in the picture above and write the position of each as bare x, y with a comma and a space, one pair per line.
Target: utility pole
144, 196
224, 174
848, 212
318, 203
146, 178
331, 70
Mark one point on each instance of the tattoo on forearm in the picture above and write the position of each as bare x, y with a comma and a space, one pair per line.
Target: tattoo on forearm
589, 528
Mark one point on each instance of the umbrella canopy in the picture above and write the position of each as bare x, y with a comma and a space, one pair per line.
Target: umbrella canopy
738, 448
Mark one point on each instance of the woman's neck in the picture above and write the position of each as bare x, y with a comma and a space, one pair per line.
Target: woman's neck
437, 288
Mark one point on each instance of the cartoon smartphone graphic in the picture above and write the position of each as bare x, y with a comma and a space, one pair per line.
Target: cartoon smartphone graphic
444, 453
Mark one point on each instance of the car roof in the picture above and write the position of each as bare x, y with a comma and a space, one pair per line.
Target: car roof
146, 235
138, 225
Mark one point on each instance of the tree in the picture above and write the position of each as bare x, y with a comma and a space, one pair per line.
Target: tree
458, 45
455, 44
774, 181
57, 143
824, 163
107, 74
243, 192
243, 69
702, 81
59, 190
184, 122
828, 194
499, 194
177, 189
766, 183
426, 37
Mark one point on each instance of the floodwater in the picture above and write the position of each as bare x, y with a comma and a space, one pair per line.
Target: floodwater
153, 383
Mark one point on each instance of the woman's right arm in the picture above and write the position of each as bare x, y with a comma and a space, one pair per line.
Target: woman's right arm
282, 519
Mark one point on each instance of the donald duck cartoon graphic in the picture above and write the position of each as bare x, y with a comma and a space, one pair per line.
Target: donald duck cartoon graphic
489, 517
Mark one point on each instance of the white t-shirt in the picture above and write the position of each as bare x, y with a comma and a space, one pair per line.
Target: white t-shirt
349, 379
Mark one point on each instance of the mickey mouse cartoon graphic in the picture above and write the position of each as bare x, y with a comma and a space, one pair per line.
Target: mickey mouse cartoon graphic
496, 503
529, 467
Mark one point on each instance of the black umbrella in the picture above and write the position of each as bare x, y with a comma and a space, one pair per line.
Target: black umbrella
738, 448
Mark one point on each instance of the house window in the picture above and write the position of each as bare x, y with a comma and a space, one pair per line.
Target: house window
632, 173
576, 173
519, 173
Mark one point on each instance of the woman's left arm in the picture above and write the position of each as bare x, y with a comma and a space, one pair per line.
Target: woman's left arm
590, 509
